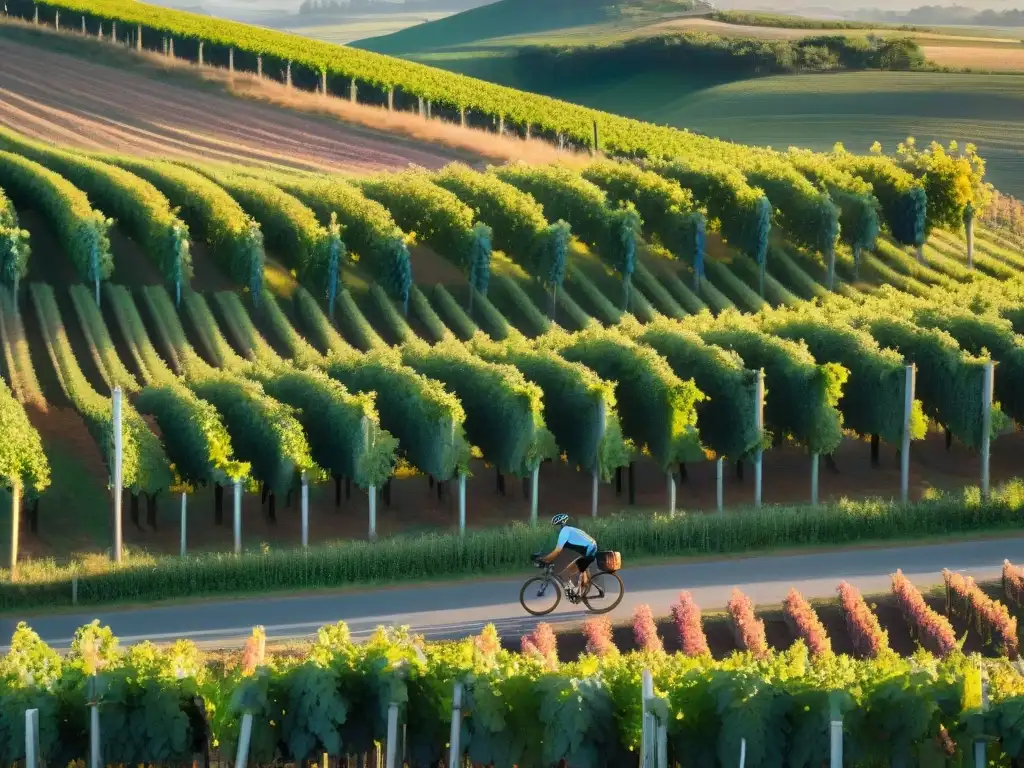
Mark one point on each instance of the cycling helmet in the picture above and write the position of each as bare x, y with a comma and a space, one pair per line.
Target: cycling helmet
560, 519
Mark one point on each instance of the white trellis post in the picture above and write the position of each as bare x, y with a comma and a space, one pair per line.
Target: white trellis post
534, 501
836, 739
908, 407
184, 522
987, 385
94, 735
759, 428
238, 517
455, 748
372, 496
980, 758
814, 479
31, 738
462, 504
671, 479
118, 457
392, 743
647, 725
305, 509
602, 417
719, 462
242, 756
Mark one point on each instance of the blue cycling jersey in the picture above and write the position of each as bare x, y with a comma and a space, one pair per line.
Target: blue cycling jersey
576, 538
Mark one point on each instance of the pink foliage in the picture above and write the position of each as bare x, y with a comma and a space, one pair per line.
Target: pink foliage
869, 639
690, 624
805, 624
933, 630
598, 631
1013, 583
645, 631
543, 644
749, 629
994, 622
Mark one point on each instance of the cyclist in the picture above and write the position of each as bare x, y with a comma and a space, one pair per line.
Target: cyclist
574, 540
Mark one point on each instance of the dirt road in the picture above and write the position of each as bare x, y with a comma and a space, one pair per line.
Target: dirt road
70, 100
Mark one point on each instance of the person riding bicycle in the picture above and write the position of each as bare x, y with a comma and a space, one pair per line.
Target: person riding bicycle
574, 540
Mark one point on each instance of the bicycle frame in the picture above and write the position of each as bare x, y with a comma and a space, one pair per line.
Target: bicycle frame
564, 584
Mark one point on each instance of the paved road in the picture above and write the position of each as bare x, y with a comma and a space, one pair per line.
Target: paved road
457, 610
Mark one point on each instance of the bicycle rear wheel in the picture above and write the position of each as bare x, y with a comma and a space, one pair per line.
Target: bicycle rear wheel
604, 592
540, 595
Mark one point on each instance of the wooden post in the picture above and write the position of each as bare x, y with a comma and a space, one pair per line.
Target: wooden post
743, 753
201, 44
814, 479
113, 31
259, 66
988, 381
118, 459
138, 38
455, 748
184, 522
170, 48
391, 99
31, 738
671, 491
231, 60
15, 527
501, 125
421, 108
353, 90
305, 509
74, 590
35, 15
719, 472
56, 20
288, 75
462, 505
759, 427
462, 116
238, 517
430, 107
597, 143
242, 756
908, 407
323, 82
84, 30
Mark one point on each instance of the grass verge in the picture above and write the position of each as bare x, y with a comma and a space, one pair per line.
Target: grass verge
413, 559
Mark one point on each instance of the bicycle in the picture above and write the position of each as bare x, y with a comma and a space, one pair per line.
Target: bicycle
604, 591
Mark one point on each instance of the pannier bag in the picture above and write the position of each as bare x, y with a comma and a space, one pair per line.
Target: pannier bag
609, 561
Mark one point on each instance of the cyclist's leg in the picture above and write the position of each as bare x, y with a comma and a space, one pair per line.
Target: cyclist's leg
583, 564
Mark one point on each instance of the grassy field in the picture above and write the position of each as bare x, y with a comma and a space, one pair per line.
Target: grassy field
813, 110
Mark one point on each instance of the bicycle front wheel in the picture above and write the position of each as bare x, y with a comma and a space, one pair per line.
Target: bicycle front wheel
540, 595
604, 592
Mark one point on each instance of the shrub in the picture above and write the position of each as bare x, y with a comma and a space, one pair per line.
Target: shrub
749, 629
689, 623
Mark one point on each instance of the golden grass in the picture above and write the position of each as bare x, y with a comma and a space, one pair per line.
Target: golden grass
981, 57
